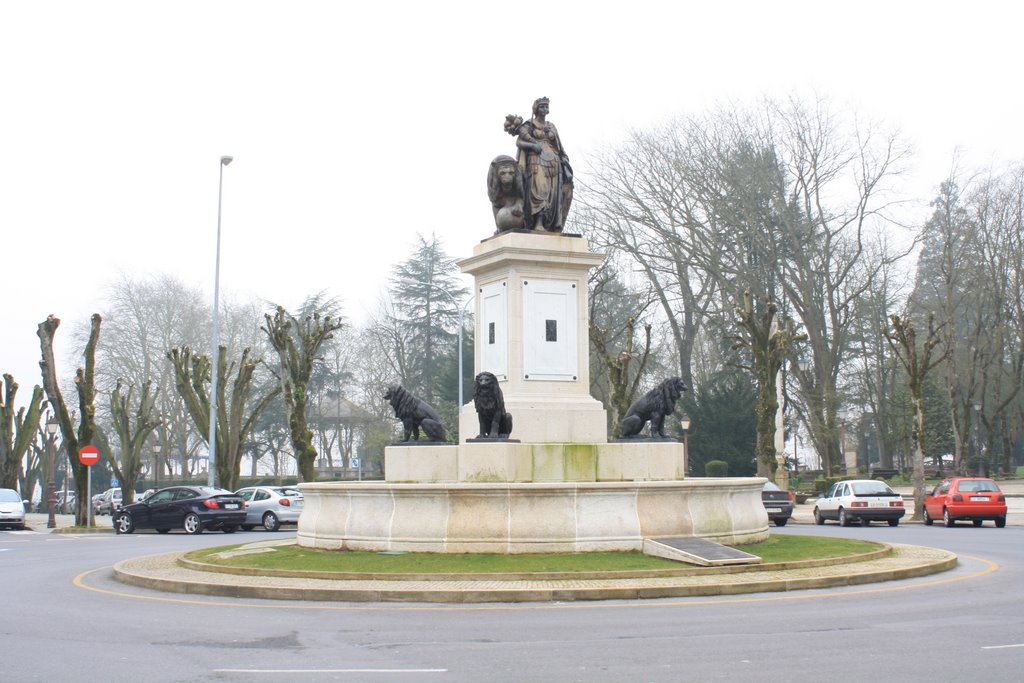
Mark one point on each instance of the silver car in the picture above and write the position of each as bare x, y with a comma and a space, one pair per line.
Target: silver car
271, 506
12, 509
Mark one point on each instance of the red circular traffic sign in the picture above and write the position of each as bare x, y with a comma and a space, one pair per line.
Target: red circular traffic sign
89, 455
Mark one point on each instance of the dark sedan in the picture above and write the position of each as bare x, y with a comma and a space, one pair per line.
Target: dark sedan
190, 508
777, 503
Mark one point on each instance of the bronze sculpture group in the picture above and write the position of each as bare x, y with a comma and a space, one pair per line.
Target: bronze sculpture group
532, 192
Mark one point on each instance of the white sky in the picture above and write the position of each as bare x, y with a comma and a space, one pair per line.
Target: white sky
355, 125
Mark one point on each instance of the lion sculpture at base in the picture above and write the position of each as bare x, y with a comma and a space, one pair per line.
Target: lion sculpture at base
415, 413
495, 421
652, 407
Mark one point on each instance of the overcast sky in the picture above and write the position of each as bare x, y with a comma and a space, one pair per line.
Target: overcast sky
356, 125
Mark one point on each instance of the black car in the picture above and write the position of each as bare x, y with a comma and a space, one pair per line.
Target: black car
777, 503
191, 508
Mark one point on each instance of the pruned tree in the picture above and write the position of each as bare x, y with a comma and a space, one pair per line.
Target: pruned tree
86, 389
917, 361
17, 430
132, 434
236, 414
767, 345
298, 343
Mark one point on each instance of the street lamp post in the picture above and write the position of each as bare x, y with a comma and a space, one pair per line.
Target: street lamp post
977, 439
156, 465
51, 486
215, 346
685, 423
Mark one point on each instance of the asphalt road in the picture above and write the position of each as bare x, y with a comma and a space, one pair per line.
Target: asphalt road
65, 619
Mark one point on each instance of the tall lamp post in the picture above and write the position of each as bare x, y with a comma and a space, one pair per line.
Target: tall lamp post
51, 486
977, 439
215, 350
685, 424
156, 465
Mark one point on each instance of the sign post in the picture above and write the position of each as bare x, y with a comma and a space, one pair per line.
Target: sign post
89, 456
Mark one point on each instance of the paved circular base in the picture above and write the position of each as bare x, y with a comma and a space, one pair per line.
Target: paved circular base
166, 573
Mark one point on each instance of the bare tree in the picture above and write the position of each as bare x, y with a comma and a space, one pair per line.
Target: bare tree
236, 415
85, 387
17, 430
131, 437
298, 344
917, 362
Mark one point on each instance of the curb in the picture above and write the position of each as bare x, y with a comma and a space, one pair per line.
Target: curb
164, 573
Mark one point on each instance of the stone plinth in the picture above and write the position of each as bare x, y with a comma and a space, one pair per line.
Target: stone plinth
504, 461
532, 331
528, 517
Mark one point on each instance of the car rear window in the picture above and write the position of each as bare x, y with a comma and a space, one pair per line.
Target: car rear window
287, 491
872, 488
973, 485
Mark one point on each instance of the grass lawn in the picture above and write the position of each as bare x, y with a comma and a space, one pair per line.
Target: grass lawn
778, 548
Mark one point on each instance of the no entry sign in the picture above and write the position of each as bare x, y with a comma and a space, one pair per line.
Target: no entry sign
90, 455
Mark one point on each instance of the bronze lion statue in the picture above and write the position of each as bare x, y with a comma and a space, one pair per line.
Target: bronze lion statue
505, 190
495, 421
415, 413
652, 407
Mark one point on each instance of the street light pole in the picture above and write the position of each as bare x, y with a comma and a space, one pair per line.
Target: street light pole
51, 486
685, 423
156, 465
215, 350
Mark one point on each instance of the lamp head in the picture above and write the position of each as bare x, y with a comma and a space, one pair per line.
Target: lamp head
226, 160
685, 422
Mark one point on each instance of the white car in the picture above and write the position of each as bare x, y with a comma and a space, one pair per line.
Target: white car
863, 500
12, 509
271, 506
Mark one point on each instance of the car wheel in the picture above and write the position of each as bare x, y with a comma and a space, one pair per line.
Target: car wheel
271, 522
865, 522
230, 529
123, 524
248, 527
1001, 521
844, 519
894, 522
927, 518
818, 519
976, 522
192, 524
163, 531
781, 521
946, 519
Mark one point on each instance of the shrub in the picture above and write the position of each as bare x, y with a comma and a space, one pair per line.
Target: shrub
716, 468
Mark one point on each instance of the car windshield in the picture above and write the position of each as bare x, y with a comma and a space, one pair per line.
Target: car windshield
9, 496
872, 488
977, 485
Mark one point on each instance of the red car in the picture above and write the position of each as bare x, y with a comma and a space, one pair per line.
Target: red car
973, 498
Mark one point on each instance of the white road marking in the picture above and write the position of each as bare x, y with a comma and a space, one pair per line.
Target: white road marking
330, 671
1001, 647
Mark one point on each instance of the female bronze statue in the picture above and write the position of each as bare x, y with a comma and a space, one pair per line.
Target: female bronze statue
545, 167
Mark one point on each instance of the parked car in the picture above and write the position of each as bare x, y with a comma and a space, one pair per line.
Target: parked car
973, 498
271, 506
12, 509
96, 503
777, 503
191, 508
66, 503
109, 502
863, 500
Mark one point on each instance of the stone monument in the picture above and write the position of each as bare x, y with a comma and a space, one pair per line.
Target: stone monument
559, 485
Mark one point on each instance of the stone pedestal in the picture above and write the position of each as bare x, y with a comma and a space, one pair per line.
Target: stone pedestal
532, 332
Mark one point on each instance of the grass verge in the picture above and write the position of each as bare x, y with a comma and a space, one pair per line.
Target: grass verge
780, 548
